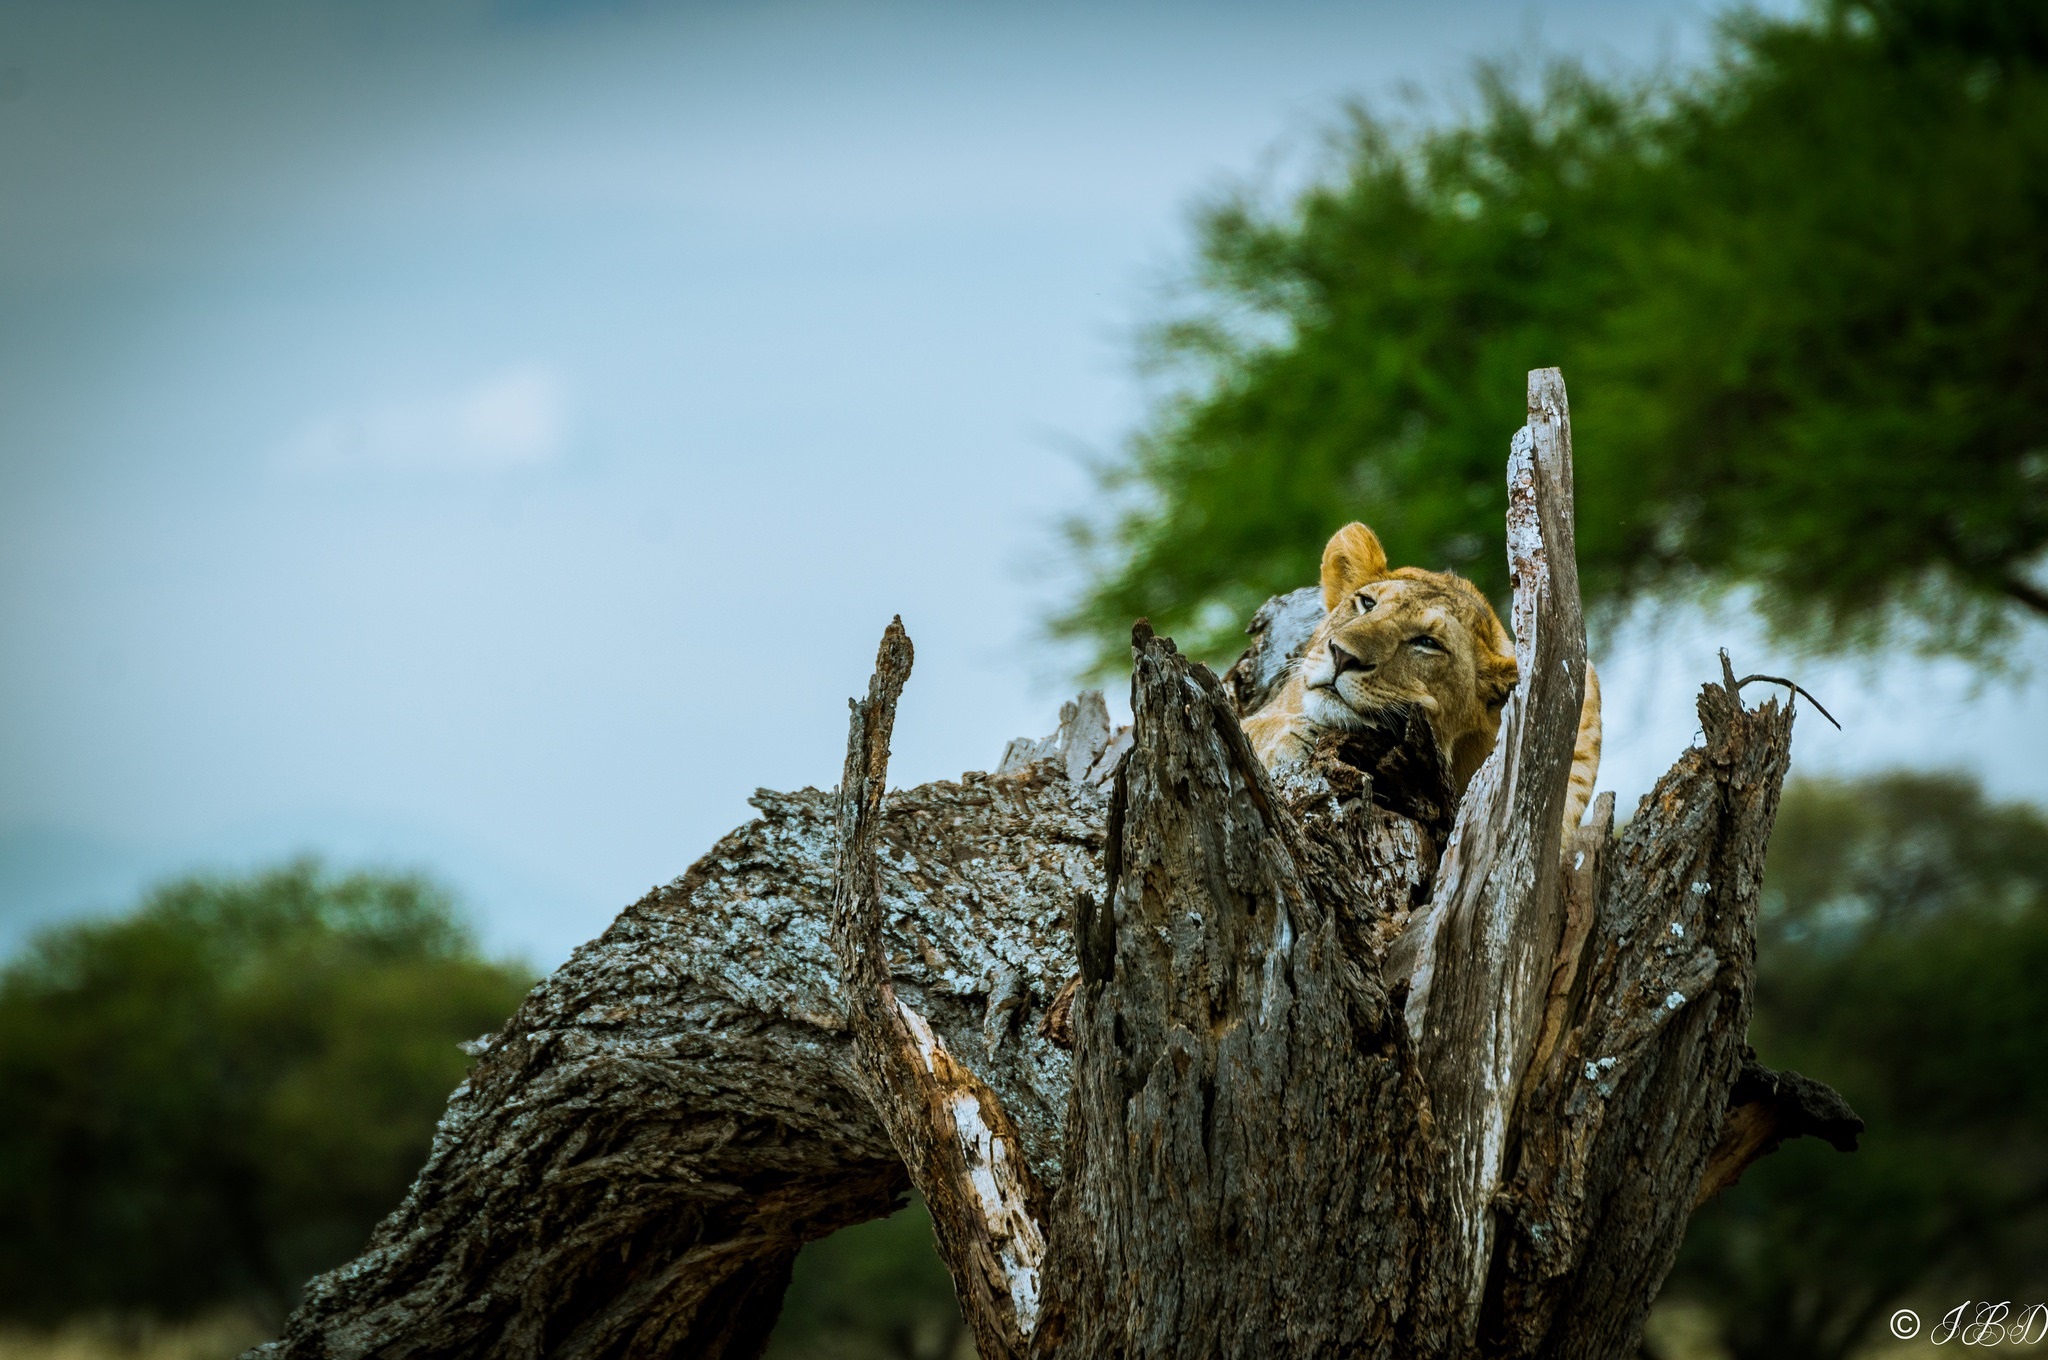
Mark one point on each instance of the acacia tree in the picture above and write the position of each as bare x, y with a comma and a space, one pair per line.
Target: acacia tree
1799, 289
1186, 1060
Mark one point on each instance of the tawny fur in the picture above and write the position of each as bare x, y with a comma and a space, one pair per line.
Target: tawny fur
1404, 636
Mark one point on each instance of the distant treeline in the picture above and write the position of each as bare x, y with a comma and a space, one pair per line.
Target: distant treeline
215, 1097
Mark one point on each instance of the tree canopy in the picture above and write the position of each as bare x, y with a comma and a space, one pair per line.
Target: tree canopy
214, 1098
1797, 294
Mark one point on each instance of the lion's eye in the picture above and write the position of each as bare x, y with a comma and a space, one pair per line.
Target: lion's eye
1364, 603
1424, 642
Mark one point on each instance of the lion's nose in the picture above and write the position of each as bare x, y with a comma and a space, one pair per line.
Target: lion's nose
1342, 660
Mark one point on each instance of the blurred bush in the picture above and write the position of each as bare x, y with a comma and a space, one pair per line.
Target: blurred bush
215, 1098
876, 1291
1902, 959
1796, 294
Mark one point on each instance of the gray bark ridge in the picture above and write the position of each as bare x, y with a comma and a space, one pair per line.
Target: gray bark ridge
1616, 1131
638, 1155
1248, 1145
1266, 1138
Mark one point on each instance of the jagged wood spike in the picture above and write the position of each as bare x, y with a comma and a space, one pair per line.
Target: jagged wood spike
961, 1148
1615, 1137
1485, 951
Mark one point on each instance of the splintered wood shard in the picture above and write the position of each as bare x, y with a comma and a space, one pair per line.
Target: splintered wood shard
1766, 1109
1485, 950
962, 1151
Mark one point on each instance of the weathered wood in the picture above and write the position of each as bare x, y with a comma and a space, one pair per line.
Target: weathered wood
1278, 632
961, 1148
1579, 882
1485, 950
1766, 1110
1247, 1141
1264, 1066
1402, 768
1615, 1135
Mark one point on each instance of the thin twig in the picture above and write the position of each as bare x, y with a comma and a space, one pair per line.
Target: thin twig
1795, 688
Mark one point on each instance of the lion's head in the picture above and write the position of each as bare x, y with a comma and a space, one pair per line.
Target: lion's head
1406, 637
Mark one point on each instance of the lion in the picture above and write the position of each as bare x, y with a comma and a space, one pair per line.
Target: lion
1408, 638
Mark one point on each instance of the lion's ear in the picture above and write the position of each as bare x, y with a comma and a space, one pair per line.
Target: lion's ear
1352, 558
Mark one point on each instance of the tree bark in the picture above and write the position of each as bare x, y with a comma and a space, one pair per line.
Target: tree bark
1186, 1060
639, 1154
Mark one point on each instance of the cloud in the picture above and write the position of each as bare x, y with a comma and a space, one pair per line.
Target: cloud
513, 419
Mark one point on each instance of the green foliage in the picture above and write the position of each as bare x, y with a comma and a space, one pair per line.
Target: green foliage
216, 1097
1796, 297
1907, 934
876, 1291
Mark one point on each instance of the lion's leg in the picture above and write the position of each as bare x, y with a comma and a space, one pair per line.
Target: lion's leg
1585, 756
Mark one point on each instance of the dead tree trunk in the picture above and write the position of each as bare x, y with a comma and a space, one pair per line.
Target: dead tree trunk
1186, 1061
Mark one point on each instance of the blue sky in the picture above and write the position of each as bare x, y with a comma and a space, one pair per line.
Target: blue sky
491, 437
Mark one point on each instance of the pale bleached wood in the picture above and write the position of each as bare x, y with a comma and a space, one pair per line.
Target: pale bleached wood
1485, 950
